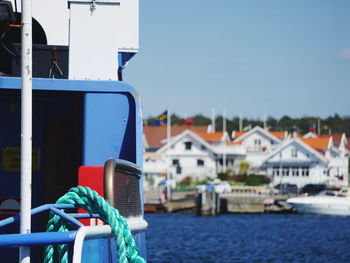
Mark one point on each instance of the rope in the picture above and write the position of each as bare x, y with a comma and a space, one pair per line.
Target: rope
84, 197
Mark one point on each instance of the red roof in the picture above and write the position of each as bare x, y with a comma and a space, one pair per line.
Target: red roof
211, 137
278, 134
233, 143
156, 134
237, 134
319, 144
336, 138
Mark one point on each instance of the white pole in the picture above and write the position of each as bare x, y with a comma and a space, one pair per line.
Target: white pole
224, 132
168, 135
213, 120
26, 127
240, 122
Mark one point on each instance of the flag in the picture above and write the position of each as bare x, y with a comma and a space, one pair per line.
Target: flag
161, 119
312, 128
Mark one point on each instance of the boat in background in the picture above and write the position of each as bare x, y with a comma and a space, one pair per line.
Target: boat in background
326, 203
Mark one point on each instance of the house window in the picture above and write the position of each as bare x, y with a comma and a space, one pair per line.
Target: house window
175, 162
178, 169
285, 171
257, 142
200, 162
295, 171
294, 153
203, 147
188, 145
305, 171
276, 171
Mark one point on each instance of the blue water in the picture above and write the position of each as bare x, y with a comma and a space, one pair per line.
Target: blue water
248, 238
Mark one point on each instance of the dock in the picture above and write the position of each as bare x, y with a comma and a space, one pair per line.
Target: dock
179, 202
212, 204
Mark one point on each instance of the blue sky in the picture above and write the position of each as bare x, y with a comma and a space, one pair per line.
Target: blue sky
256, 58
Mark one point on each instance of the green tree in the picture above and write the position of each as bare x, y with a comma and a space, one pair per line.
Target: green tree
176, 120
200, 120
244, 168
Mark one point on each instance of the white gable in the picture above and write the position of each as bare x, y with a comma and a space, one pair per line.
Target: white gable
295, 151
178, 144
258, 133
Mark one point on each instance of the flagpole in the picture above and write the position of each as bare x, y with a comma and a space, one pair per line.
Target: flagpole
26, 127
168, 135
213, 120
224, 149
240, 122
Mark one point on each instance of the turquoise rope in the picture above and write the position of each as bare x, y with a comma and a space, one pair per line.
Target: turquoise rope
84, 197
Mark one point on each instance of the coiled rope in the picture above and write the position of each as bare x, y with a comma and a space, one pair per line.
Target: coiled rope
91, 201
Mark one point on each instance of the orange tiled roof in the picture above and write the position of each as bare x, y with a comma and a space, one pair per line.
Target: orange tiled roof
155, 134
278, 134
239, 133
336, 138
233, 143
316, 143
211, 137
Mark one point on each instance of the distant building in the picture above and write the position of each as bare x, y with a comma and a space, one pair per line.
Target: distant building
258, 143
310, 160
193, 153
196, 152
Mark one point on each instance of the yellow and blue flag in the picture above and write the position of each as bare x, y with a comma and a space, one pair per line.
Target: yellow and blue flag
161, 119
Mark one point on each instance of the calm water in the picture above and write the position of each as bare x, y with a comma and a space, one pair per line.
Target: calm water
248, 238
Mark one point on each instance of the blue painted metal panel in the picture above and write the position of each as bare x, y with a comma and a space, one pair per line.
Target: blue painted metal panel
140, 239
104, 250
112, 123
69, 85
105, 123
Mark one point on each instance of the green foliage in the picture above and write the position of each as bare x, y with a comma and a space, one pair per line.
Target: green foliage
251, 180
200, 120
244, 168
225, 175
331, 124
186, 182
176, 120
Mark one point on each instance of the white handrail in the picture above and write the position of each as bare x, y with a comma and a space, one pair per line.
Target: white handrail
134, 224
88, 231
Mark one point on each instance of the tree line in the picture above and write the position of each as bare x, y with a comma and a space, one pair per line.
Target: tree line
330, 125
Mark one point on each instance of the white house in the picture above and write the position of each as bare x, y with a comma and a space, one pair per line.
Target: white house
199, 155
309, 160
155, 138
258, 143
188, 155
196, 152
191, 155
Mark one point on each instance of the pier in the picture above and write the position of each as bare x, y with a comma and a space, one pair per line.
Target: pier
212, 204
155, 202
